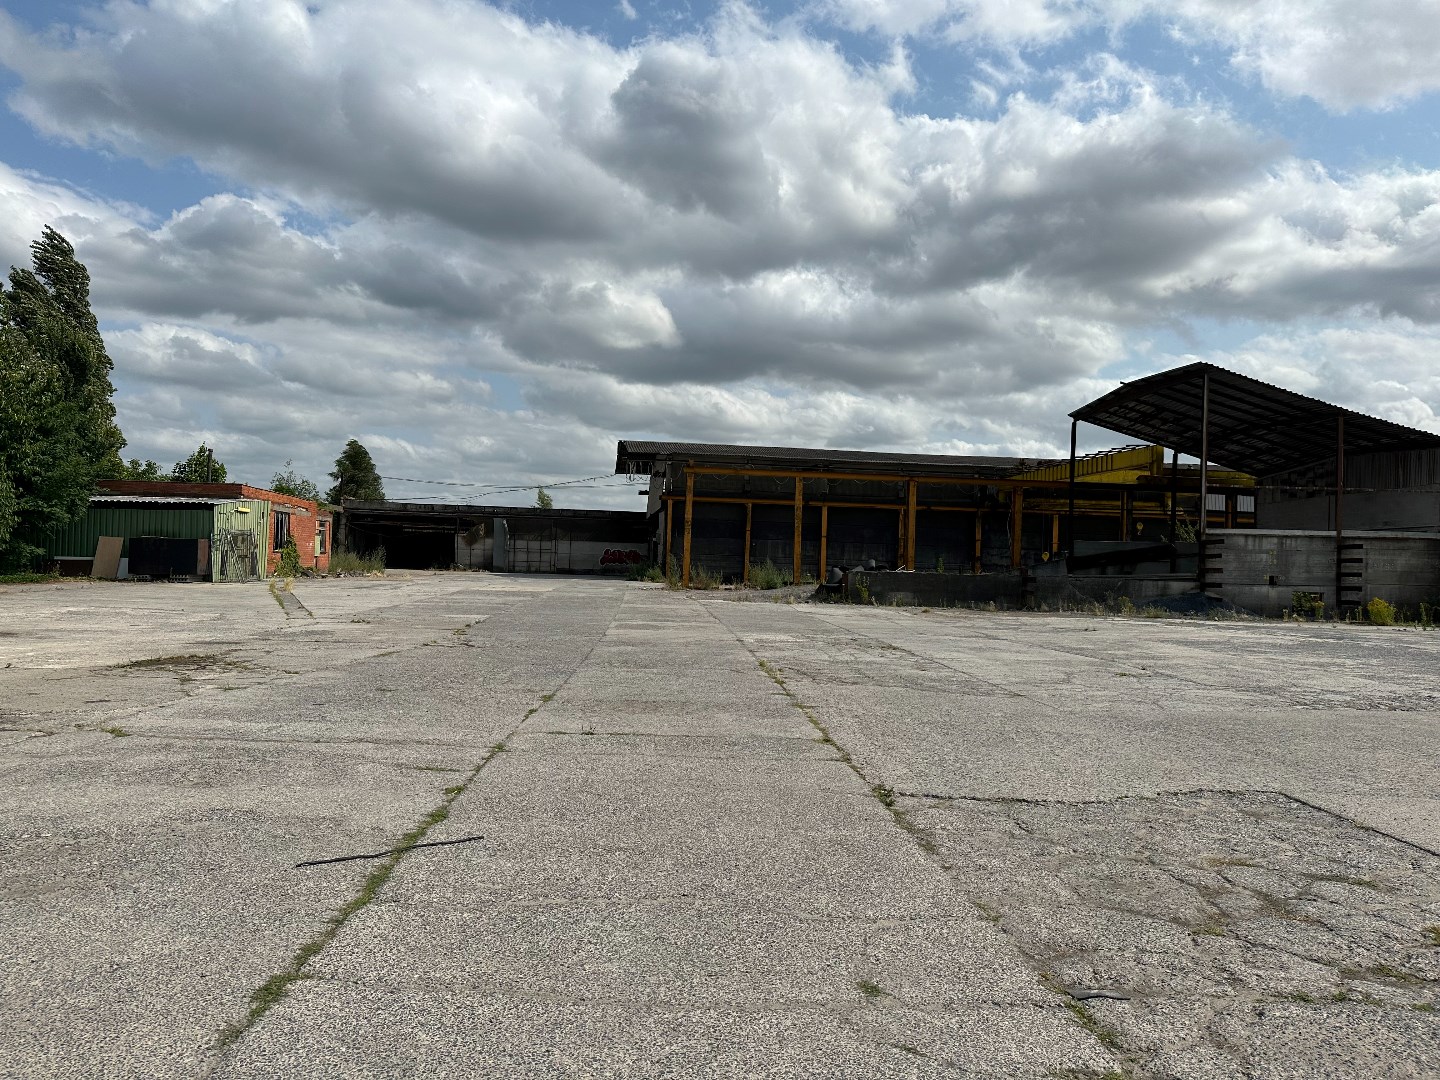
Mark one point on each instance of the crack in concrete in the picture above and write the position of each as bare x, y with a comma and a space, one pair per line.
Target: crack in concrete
275, 990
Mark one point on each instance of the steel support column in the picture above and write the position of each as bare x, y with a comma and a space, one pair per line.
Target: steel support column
1174, 507
745, 556
1204, 458
1017, 523
1339, 508
799, 526
689, 519
976, 564
1070, 515
824, 538
911, 490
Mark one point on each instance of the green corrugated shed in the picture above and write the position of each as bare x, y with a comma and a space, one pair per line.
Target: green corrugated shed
238, 530
184, 521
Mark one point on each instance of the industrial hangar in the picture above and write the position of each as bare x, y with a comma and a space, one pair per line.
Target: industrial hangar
1279, 492
727, 508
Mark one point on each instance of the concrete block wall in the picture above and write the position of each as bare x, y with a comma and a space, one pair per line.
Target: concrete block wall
1261, 570
1368, 511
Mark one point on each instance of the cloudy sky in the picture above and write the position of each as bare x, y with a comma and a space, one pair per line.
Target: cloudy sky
488, 239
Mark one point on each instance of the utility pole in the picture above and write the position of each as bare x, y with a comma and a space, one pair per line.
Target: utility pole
209, 464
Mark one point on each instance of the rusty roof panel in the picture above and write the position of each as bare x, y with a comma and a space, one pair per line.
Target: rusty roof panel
1254, 427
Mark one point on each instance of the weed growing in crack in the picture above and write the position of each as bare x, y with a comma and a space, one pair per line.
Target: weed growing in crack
1433, 933
988, 913
118, 732
275, 989
872, 990
905, 1049
1341, 879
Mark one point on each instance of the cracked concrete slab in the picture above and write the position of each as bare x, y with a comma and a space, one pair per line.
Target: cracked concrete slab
1032, 846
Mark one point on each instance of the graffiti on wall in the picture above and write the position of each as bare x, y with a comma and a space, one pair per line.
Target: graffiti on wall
621, 557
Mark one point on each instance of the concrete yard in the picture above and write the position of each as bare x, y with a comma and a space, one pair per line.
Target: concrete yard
479, 825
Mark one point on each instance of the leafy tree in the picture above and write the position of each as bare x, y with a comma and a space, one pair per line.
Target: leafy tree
355, 477
543, 499
51, 304
291, 483
135, 469
57, 425
199, 468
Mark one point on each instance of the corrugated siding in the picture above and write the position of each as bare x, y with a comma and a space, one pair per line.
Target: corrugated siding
238, 548
181, 522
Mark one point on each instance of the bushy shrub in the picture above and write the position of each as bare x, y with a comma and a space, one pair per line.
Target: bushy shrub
766, 575
1380, 612
289, 559
1307, 605
701, 578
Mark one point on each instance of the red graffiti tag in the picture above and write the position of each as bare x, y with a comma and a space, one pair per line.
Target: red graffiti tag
621, 557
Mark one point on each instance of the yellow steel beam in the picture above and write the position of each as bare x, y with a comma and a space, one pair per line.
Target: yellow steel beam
910, 489
745, 558
799, 523
689, 519
1017, 522
824, 537
879, 478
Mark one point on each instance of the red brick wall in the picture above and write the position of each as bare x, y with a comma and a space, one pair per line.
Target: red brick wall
304, 514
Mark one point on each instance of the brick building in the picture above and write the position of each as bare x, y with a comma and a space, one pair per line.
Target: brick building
290, 516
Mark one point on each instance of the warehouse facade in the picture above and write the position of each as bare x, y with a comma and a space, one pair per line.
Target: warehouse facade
506, 539
728, 508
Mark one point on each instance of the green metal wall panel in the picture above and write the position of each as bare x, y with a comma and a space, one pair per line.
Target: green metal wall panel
179, 520
238, 549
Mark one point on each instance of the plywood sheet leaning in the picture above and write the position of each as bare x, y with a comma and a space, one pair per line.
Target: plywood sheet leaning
107, 558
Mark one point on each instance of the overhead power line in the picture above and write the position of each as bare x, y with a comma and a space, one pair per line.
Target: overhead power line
481, 490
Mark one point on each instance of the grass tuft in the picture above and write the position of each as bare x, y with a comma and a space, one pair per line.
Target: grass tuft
275, 989
872, 990
351, 562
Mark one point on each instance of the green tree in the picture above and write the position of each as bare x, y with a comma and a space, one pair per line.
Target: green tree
201, 467
57, 424
543, 499
135, 469
355, 477
291, 483
53, 302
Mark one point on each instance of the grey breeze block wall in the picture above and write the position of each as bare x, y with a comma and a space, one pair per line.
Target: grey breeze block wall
1261, 570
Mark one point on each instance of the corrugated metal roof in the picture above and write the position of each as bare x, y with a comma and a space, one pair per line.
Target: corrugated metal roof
631, 452
149, 500
391, 508
1253, 426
